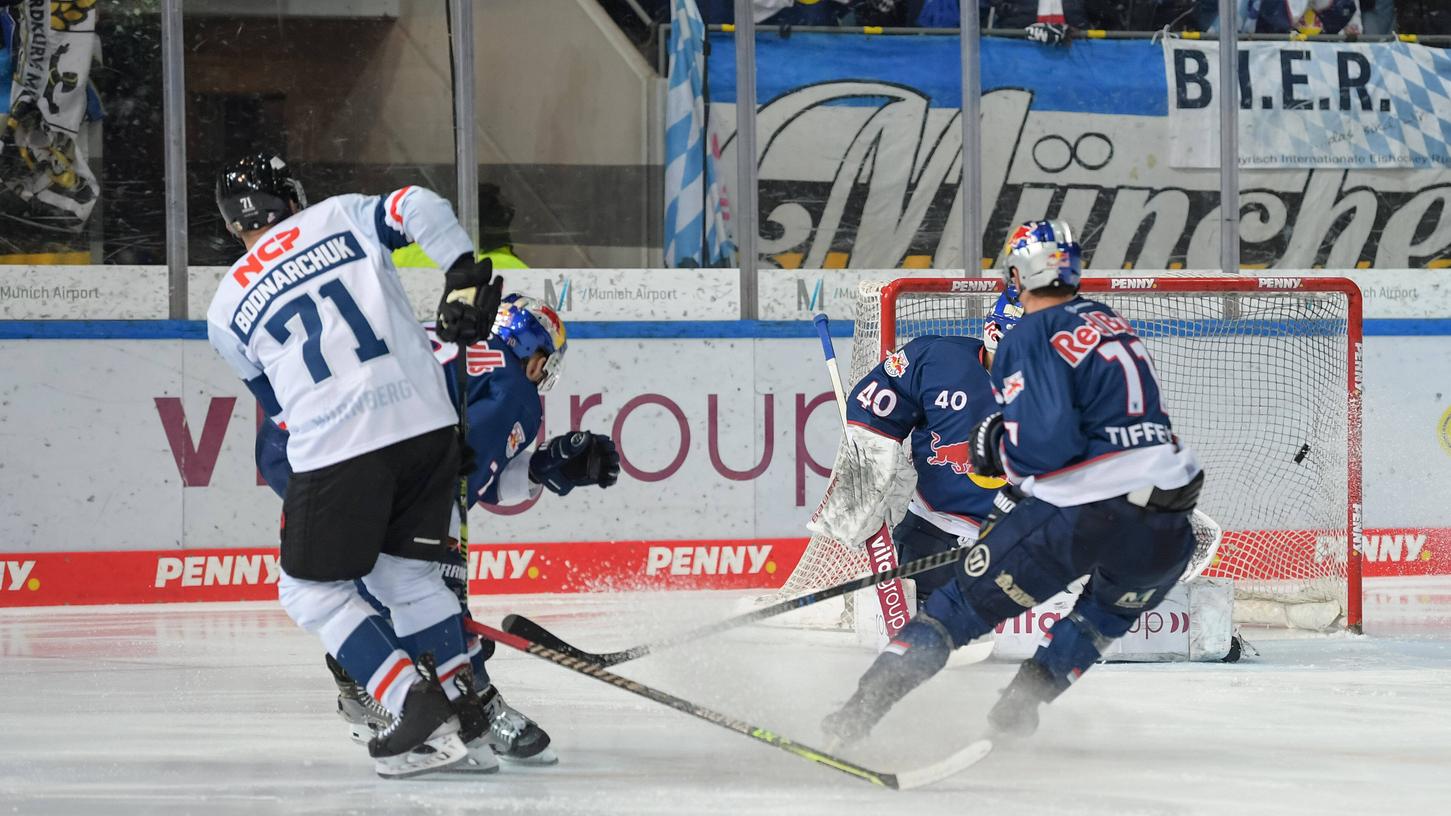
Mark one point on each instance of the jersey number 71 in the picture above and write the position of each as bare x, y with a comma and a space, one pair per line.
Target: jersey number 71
370, 345
1116, 352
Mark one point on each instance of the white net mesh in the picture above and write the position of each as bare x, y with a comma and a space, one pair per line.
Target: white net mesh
1256, 381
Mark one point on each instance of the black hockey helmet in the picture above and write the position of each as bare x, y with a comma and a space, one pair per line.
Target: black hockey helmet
255, 191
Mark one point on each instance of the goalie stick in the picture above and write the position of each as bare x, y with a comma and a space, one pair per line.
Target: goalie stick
953, 764
523, 627
879, 548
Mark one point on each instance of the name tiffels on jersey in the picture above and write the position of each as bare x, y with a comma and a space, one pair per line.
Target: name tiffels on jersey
715, 560
330, 252
1075, 345
1130, 435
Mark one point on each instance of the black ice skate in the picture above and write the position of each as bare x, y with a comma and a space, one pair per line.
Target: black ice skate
364, 715
515, 737
473, 720
424, 738
919, 651
1015, 715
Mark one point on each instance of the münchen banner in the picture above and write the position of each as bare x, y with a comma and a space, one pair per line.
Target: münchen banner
859, 138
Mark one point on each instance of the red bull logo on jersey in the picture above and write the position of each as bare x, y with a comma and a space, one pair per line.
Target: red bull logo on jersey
896, 364
954, 455
1013, 385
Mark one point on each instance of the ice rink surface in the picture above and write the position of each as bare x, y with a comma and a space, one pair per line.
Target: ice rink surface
223, 709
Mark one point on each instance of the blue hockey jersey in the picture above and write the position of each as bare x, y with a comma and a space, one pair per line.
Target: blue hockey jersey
934, 389
505, 415
1080, 401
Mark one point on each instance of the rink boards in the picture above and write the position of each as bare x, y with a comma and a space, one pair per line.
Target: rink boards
128, 473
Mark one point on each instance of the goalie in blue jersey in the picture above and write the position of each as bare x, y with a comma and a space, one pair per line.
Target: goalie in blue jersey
507, 375
934, 390
1098, 485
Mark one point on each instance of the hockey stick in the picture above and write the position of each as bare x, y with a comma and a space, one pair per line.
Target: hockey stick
461, 403
953, 764
523, 627
879, 548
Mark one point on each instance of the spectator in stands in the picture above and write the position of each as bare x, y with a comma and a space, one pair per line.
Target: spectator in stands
1378, 16
1140, 15
1421, 17
1303, 16
779, 12
495, 242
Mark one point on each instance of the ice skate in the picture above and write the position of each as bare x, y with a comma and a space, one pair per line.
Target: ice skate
515, 737
364, 716
473, 722
424, 738
919, 651
1015, 715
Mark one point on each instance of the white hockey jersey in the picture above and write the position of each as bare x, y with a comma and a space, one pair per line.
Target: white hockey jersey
316, 321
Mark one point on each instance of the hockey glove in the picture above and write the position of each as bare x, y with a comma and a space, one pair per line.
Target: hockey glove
987, 440
1048, 33
470, 304
574, 460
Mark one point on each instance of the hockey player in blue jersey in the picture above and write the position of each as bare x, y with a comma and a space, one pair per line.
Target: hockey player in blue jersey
934, 389
1098, 485
507, 375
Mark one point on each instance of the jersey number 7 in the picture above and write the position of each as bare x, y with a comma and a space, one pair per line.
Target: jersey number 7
370, 345
1116, 352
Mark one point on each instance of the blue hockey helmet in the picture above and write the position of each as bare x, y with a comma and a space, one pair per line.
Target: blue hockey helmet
527, 325
1045, 254
1005, 315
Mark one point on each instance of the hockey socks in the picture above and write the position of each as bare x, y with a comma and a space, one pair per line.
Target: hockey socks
372, 652
443, 640
919, 651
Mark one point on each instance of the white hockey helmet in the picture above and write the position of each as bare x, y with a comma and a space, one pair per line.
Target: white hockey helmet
1045, 254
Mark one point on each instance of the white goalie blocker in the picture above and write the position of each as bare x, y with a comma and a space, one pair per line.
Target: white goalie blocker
873, 481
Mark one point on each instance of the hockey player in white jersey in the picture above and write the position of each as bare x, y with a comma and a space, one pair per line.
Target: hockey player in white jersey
315, 320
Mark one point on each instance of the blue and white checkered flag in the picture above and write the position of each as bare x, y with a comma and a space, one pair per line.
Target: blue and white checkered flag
695, 220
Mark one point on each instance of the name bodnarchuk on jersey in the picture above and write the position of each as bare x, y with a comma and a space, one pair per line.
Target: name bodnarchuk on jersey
316, 320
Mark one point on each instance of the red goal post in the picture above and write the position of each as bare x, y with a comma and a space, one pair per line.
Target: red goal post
1261, 375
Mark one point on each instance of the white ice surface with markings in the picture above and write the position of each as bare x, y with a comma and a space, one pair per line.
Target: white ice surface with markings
221, 709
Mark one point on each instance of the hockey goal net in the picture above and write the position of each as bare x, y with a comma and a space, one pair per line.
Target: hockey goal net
1260, 375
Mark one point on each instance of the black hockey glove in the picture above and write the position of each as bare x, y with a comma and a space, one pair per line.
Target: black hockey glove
1049, 33
575, 460
986, 437
1004, 502
470, 304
